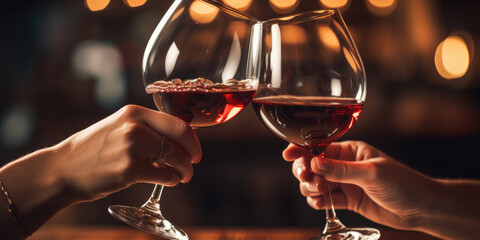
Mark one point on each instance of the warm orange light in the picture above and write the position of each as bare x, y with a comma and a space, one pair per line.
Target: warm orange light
202, 12
239, 28
241, 5
293, 34
177, 14
135, 3
382, 7
328, 37
283, 6
351, 60
268, 41
96, 5
452, 58
334, 3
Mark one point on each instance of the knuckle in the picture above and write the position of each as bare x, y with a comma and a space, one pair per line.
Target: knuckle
295, 169
131, 111
125, 173
341, 169
132, 131
189, 173
312, 203
172, 181
375, 171
303, 190
183, 130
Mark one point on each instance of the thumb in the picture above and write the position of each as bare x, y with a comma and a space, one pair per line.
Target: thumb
358, 172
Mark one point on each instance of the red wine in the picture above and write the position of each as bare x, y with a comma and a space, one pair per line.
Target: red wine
200, 102
313, 122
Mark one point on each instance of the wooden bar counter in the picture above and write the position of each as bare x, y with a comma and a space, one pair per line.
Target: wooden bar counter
202, 233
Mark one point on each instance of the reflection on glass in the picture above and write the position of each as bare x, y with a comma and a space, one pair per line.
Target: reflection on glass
328, 37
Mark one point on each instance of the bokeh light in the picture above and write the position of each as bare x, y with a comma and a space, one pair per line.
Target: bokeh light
328, 37
135, 3
241, 5
354, 64
17, 126
334, 3
103, 63
452, 57
283, 6
238, 28
96, 5
202, 12
382, 7
293, 34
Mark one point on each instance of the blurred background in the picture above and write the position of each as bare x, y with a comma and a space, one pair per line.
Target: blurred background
68, 64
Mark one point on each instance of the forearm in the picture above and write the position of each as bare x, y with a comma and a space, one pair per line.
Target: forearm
456, 211
36, 192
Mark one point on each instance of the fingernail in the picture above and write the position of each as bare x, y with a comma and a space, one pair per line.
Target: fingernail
300, 170
320, 164
311, 187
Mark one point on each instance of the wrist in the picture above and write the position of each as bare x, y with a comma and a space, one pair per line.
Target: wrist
453, 213
430, 218
34, 187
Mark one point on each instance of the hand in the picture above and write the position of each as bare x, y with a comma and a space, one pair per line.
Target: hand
119, 150
108, 156
365, 180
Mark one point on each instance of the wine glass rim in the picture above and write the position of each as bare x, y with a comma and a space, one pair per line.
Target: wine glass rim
301, 17
230, 10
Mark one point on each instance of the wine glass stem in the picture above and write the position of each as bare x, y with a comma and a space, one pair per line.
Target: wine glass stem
153, 203
329, 207
333, 224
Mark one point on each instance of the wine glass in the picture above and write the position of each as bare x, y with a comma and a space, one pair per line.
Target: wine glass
200, 65
312, 89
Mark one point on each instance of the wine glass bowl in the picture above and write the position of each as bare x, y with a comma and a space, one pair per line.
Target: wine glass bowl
200, 65
312, 88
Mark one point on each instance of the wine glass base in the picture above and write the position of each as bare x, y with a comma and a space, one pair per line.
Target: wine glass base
351, 234
148, 221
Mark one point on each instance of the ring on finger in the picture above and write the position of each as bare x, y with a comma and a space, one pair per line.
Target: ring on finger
166, 148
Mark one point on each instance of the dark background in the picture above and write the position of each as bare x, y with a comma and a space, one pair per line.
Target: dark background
49, 91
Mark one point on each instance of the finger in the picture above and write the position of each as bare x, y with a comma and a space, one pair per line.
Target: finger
352, 151
153, 148
178, 160
359, 173
334, 149
176, 130
165, 175
318, 202
316, 187
301, 169
293, 152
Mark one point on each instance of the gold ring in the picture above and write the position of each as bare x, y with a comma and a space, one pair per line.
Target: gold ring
166, 148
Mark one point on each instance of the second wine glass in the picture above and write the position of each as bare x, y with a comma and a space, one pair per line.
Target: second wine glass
312, 89
200, 65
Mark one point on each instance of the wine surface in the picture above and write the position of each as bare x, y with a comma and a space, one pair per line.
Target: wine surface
312, 122
200, 102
